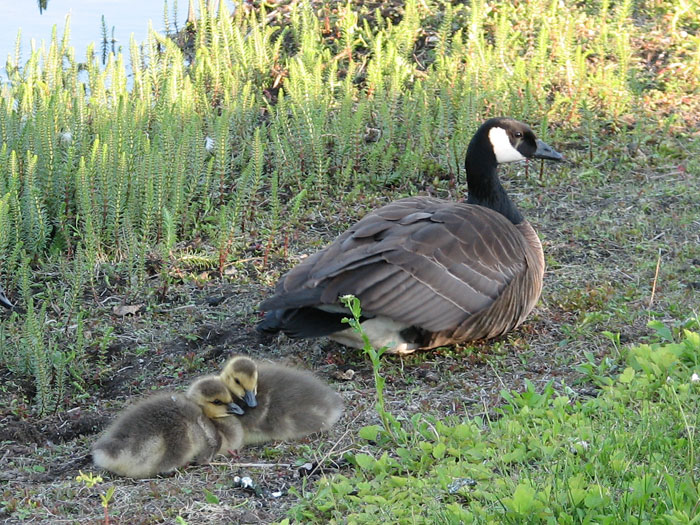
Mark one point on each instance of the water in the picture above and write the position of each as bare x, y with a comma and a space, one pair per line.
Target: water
127, 17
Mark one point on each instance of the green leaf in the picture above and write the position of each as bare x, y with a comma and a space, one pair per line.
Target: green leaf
524, 499
370, 432
107, 496
365, 461
462, 432
594, 500
627, 375
692, 340
439, 450
398, 481
210, 497
515, 455
661, 330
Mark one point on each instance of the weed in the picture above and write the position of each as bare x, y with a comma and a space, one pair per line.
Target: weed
547, 459
90, 480
391, 426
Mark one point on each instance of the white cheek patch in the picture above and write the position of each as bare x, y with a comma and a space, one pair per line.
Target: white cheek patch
502, 148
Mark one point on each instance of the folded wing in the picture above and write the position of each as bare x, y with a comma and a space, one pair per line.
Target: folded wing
420, 261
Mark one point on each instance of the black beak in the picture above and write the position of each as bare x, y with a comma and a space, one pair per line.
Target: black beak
249, 398
233, 408
4, 301
545, 151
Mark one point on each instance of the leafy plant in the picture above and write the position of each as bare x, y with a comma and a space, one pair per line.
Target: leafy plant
90, 480
625, 455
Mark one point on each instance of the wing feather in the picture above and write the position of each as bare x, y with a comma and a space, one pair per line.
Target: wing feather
422, 261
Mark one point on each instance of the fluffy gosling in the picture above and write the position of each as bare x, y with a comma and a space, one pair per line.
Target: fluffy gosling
169, 430
283, 403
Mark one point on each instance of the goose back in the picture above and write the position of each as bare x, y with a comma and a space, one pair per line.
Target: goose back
444, 267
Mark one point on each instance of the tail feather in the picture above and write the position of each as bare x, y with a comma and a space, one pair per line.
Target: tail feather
308, 297
4, 301
302, 322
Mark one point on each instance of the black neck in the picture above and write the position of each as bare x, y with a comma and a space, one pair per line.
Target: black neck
485, 188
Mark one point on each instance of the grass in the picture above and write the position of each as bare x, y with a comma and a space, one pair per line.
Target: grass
627, 455
147, 206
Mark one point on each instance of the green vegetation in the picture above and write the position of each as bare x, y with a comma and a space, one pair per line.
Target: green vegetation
102, 171
626, 456
146, 206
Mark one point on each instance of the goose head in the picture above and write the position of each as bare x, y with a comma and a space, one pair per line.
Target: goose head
4, 301
240, 374
212, 396
511, 141
498, 141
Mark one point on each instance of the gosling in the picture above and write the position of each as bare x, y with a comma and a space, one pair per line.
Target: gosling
169, 430
217, 404
283, 403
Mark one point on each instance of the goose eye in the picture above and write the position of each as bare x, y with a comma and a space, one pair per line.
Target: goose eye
518, 134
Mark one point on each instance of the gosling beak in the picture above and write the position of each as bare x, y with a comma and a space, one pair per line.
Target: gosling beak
4, 301
233, 408
249, 398
545, 151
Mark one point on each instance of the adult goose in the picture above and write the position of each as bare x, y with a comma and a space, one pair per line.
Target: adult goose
428, 272
4, 301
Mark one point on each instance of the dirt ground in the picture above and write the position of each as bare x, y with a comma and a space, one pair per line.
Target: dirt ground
41, 459
602, 238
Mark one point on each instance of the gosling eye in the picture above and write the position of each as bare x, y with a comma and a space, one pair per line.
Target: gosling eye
218, 402
237, 381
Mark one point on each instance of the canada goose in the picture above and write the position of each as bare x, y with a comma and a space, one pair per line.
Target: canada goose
169, 430
4, 301
428, 272
284, 403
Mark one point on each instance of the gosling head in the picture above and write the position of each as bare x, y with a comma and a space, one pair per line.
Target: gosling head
212, 396
240, 374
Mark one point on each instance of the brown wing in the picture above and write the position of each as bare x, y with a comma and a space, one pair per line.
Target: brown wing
422, 261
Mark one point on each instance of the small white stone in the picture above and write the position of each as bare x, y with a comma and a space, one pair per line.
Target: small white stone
583, 443
66, 138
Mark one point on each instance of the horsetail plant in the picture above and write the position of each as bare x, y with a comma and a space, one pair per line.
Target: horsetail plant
110, 163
